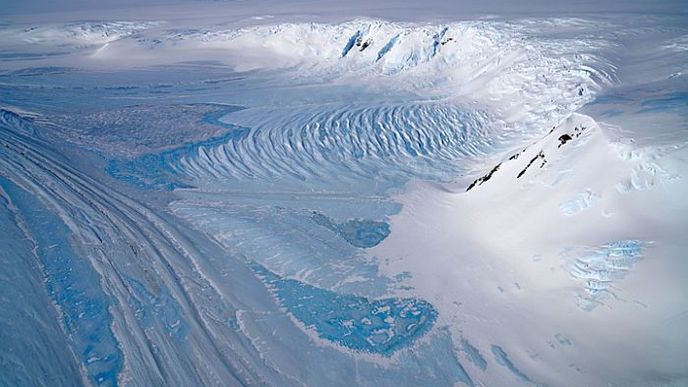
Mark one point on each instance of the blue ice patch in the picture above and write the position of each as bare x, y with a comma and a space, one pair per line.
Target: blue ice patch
352, 41
159, 170
503, 359
376, 326
675, 101
160, 307
473, 354
384, 50
74, 286
600, 267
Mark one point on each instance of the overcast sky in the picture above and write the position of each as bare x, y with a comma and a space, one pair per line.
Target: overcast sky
12, 10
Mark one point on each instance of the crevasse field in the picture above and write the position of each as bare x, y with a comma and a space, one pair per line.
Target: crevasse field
315, 193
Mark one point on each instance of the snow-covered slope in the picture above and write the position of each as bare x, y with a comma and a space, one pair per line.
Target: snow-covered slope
559, 255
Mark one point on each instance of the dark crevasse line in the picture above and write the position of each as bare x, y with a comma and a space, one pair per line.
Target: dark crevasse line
384, 50
380, 326
74, 286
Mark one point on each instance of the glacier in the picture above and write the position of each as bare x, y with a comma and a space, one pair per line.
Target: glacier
323, 194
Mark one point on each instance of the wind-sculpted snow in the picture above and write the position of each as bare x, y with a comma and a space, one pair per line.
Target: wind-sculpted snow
332, 146
279, 232
158, 170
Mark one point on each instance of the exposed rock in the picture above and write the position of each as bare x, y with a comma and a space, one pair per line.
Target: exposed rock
539, 155
483, 179
563, 139
559, 135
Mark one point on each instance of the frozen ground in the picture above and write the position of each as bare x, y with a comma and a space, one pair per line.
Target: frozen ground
321, 194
